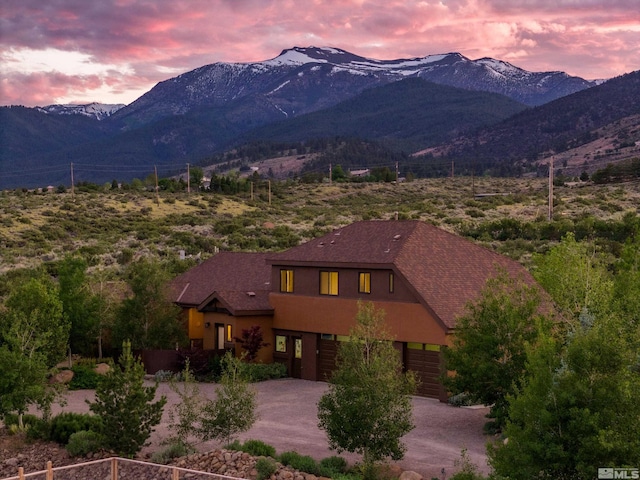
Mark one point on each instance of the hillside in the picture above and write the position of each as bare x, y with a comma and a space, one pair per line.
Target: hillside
408, 114
529, 138
111, 228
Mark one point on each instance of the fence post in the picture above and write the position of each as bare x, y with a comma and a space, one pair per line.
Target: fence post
21, 473
49, 474
176, 474
114, 468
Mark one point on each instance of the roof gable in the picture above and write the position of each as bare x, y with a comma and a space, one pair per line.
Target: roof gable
239, 280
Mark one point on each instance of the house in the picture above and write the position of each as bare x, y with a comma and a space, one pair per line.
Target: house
306, 297
222, 296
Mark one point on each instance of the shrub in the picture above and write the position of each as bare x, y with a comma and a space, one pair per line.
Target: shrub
84, 442
265, 468
258, 448
302, 463
65, 424
173, 450
84, 378
259, 372
332, 466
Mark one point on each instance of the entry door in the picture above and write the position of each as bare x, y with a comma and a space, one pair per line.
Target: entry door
296, 368
219, 336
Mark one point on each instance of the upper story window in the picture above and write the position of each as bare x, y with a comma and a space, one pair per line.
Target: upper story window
286, 281
364, 282
328, 283
391, 282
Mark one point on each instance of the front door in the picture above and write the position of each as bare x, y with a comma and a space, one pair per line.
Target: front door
296, 367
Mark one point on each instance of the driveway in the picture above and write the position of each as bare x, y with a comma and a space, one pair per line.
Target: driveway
288, 421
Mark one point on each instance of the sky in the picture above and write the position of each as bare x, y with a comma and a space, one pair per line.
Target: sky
113, 51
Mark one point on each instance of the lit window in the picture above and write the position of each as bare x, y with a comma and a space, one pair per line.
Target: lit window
281, 343
328, 283
286, 281
229, 333
391, 282
364, 282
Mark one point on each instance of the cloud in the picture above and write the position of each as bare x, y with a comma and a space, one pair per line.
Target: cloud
130, 45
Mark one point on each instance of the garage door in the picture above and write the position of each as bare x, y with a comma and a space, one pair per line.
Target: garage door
426, 364
327, 351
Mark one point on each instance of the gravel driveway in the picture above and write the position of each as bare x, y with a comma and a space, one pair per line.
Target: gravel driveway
287, 421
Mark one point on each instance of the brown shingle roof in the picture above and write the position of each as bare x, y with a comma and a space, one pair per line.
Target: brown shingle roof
446, 271
240, 280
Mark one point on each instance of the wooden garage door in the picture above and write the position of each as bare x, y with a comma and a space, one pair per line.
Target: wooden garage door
426, 364
327, 351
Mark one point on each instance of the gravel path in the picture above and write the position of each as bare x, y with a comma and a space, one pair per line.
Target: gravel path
287, 421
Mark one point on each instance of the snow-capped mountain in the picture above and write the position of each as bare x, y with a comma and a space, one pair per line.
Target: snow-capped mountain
301, 80
99, 111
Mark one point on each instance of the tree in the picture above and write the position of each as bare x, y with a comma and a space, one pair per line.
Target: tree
185, 414
234, 408
195, 176
33, 337
126, 406
578, 409
78, 305
252, 340
488, 351
148, 318
576, 277
367, 409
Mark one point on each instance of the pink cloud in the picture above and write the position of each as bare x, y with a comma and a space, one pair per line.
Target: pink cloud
590, 38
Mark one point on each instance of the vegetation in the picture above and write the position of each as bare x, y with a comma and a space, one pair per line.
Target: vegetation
489, 350
367, 409
252, 340
33, 337
126, 406
234, 409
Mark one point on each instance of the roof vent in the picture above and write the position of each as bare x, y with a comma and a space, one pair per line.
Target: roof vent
321, 244
251, 294
397, 237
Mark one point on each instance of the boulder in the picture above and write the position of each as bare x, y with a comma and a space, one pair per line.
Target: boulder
102, 368
63, 376
409, 475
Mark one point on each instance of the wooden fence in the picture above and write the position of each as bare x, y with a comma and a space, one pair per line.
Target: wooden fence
116, 468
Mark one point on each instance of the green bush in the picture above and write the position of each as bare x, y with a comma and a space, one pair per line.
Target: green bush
28, 420
332, 466
84, 378
65, 424
265, 468
84, 442
258, 448
302, 463
259, 372
173, 450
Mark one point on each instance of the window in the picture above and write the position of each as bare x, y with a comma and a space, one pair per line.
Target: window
391, 282
229, 333
328, 283
281, 343
364, 282
286, 281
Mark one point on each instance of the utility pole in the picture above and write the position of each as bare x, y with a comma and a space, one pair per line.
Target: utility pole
397, 174
188, 179
330, 174
73, 193
551, 189
269, 191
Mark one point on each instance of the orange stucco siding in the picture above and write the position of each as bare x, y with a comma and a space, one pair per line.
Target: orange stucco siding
408, 322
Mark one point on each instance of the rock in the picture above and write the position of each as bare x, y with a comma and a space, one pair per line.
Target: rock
11, 462
63, 376
390, 471
102, 368
409, 475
